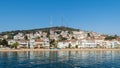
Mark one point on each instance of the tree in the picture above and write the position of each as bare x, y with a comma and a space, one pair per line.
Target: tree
88, 34
116, 36
69, 45
37, 37
73, 37
110, 37
76, 46
4, 42
61, 38
53, 43
15, 45
26, 37
10, 35
0, 42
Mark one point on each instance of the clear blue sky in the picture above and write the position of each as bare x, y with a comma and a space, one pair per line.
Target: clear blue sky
101, 16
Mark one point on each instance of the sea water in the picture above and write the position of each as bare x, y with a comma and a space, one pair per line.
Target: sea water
60, 59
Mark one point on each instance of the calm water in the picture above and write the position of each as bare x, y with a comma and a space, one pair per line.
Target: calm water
60, 59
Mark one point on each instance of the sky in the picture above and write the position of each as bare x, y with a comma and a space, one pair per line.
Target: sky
102, 16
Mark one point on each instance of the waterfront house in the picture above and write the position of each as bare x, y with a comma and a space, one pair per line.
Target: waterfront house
5, 36
63, 44
46, 43
11, 42
23, 43
86, 43
99, 42
39, 43
19, 36
32, 43
74, 43
112, 44
68, 44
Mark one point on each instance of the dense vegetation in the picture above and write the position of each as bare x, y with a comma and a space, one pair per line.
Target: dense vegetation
111, 37
4, 42
12, 33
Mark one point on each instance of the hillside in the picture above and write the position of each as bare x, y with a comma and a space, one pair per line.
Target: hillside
40, 29
62, 28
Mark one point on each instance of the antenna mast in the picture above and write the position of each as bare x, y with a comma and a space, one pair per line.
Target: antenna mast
50, 21
62, 21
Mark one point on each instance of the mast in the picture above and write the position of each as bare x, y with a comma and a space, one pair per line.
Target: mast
50, 32
62, 21
50, 21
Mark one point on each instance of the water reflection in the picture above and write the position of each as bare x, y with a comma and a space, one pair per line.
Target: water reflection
60, 59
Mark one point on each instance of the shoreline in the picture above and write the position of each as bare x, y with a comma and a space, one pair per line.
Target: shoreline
86, 49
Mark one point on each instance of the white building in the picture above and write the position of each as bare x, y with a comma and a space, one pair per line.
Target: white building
32, 43
87, 43
68, 44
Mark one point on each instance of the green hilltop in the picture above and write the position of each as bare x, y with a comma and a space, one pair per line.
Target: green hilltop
63, 28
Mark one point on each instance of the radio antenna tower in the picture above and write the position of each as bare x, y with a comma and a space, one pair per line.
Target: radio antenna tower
50, 21
62, 21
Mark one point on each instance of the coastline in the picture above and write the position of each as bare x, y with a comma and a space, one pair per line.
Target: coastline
86, 49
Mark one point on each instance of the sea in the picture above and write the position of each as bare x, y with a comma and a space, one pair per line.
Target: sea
60, 59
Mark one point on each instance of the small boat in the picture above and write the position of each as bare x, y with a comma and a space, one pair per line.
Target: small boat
58, 48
